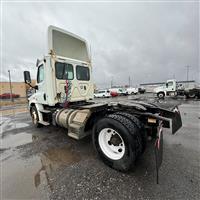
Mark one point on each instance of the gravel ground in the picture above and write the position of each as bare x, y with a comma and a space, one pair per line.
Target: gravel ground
46, 164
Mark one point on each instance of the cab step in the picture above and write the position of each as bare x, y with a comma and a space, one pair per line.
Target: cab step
44, 123
45, 111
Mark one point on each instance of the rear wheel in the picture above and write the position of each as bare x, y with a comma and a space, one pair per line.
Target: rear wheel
115, 143
35, 117
191, 95
141, 133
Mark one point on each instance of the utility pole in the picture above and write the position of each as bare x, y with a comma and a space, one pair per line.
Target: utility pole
111, 83
187, 71
129, 81
11, 98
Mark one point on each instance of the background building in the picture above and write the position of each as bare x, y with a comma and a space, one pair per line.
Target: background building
17, 88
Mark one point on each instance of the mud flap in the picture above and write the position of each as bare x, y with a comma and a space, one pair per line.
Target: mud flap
159, 152
174, 122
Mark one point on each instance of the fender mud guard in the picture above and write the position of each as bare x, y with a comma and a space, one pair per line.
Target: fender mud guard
175, 122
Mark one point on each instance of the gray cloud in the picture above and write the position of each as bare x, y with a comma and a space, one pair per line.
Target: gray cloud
147, 41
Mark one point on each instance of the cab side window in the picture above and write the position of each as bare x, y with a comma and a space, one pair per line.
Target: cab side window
40, 74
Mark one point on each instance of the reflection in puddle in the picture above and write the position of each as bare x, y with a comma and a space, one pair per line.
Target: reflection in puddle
8, 125
53, 159
15, 140
27, 179
17, 179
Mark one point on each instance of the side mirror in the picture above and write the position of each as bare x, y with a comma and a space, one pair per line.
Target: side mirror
27, 77
166, 84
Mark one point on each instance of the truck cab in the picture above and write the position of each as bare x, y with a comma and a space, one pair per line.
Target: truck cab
169, 89
62, 75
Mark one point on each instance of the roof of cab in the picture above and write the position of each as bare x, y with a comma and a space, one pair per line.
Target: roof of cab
66, 44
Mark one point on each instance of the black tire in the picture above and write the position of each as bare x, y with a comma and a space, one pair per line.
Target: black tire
127, 130
191, 95
141, 133
35, 117
161, 95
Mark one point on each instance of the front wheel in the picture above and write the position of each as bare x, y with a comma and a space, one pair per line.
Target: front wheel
161, 95
114, 141
35, 117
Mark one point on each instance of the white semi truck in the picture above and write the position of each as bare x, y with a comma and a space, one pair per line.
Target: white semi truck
169, 89
63, 97
172, 88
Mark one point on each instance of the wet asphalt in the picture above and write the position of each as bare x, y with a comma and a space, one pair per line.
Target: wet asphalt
44, 163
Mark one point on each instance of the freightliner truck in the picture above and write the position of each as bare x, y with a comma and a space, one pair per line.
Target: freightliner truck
63, 97
172, 88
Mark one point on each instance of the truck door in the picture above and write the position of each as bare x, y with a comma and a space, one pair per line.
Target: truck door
41, 95
170, 86
83, 80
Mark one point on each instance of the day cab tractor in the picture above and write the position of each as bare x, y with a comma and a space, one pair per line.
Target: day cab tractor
173, 89
169, 89
64, 97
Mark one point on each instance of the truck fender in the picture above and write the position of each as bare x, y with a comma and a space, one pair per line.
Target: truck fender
39, 108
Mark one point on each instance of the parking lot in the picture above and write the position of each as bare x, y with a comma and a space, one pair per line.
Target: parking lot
44, 163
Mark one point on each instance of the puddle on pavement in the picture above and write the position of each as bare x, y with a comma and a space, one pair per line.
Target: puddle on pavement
29, 178
9, 124
52, 160
18, 179
26, 179
15, 140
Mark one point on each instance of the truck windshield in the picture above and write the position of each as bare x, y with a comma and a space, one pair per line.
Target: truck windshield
64, 71
82, 73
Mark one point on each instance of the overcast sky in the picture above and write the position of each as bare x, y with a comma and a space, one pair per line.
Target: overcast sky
148, 41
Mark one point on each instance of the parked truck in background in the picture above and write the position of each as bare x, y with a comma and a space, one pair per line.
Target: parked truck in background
63, 96
172, 88
169, 89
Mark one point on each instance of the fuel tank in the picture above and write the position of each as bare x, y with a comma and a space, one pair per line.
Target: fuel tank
74, 120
